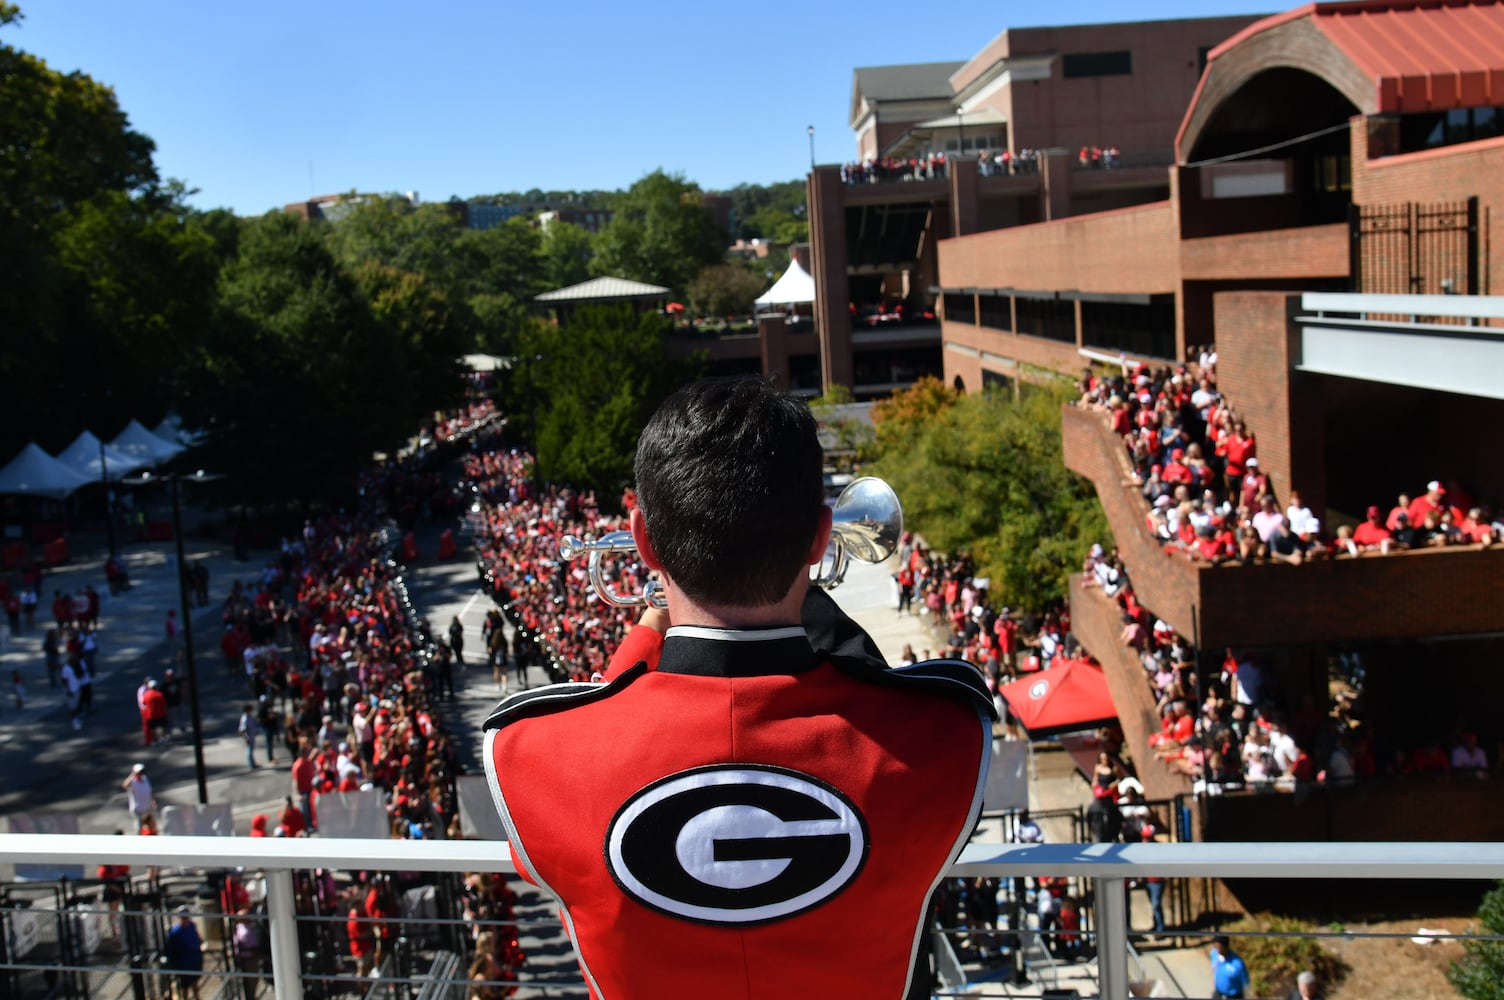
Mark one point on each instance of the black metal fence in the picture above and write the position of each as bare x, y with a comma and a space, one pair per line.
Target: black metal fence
1419, 249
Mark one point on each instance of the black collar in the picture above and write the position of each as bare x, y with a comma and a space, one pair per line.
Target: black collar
725, 652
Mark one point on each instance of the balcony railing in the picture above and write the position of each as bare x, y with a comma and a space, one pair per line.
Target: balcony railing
1107, 866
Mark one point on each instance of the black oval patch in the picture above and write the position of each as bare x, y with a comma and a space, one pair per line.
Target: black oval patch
736, 844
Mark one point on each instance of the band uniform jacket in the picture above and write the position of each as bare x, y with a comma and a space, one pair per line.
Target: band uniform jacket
764, 815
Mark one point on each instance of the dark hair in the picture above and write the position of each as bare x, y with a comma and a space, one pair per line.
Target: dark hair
730, 485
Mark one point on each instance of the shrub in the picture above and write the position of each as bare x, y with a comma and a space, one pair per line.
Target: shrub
1274, 962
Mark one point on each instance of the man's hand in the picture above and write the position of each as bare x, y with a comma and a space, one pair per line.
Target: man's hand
655, 619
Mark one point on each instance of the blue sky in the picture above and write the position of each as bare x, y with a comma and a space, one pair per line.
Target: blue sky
262, 104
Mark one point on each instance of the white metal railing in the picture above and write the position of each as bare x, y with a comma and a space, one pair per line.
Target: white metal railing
1363, 303
1108, 865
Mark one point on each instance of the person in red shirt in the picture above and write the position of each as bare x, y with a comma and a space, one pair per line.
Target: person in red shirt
1237, 448
303, 772
1435, 499
1175, 471
1371, 535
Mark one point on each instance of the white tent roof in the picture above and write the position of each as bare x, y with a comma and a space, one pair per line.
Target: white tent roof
82, 456
141, 444
171, 431
795, 286
36, 473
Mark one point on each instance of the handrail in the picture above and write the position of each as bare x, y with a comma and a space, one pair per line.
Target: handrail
1109, 865
1400, 860
1456, 306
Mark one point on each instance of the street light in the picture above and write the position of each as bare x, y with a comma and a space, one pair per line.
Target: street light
811, 131
146, 479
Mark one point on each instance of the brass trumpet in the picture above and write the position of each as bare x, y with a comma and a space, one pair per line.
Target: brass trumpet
868, 521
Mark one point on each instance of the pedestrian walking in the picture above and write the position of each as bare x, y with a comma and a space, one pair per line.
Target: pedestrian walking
18, 687
247, 730
457, 641
73, 686
139, 798
52, 655
1229, 974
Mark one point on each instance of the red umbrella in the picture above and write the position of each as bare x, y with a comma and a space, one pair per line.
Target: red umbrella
1069, 697
674, 307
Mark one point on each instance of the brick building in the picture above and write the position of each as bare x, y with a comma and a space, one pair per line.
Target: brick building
1041, 124
1335, 148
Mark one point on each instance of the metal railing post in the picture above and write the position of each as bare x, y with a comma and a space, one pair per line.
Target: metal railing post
287, 972
1112, 938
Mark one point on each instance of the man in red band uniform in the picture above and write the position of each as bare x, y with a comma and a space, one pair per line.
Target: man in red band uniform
755, 807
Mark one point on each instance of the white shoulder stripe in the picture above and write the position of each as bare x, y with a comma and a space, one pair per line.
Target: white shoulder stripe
736, 635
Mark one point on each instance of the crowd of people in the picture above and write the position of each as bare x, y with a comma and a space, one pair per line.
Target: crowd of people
1196, 463
1230, 729
880, 169
558, 621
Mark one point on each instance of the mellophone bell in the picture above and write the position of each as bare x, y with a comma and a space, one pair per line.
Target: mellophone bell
867, 522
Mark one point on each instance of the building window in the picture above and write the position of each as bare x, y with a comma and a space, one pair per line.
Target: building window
1079, 64
995, 312
1052, 319
995, 381
960, 308
1125, 327
1334, 172
1432, 129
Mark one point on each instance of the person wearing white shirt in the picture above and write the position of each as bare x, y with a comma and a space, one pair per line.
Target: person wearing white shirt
1299, 516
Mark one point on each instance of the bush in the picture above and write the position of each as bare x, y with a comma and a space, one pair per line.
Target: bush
1479, 975
1274, 962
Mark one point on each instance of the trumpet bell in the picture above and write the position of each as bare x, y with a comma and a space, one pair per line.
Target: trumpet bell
868, 522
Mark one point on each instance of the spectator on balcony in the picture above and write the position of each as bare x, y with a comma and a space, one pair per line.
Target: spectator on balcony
1297, 514
1475, 528
1434, 499
1467, 755
1401, 506
1308, 541
1255, 485
1268, 519
1371, 535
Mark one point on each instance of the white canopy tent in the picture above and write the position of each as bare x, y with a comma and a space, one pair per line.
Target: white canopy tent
35, 473
796, 287
141, 444
82, 456
171, 431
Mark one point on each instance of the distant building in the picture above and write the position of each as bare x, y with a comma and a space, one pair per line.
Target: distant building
333, 207
590, 219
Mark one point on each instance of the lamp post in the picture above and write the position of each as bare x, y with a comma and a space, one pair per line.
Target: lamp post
961, 128
811, 131
109, 505
172, 478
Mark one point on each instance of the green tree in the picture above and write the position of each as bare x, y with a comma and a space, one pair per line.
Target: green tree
64, 141
567, 250
725, 290
762, 209
659, 233
587, 422
1479, 974
430, 331
985, 474
297, 382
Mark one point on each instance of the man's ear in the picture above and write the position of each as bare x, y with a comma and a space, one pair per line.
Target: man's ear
645, 551
822, 536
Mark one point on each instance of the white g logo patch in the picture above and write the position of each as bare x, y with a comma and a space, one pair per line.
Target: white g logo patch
736, 844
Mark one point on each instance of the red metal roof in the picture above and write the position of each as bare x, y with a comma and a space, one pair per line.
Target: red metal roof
1427, 55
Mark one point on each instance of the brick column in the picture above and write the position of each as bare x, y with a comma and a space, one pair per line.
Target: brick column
963, 196
827, 234
1055, 183
773, 338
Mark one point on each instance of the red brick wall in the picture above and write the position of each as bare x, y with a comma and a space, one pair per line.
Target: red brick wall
1382, 810
1128, 250
1095, 622
1452, 173
1297, 254
1164, 583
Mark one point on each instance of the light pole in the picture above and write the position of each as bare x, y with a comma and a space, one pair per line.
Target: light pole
146, 478
961, 127
109, 505
811, 131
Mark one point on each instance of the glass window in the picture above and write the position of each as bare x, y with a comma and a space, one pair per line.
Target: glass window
1485, 123
1079, 64
1458, 126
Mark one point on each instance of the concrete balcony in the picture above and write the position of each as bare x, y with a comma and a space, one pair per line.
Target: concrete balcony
1408, 595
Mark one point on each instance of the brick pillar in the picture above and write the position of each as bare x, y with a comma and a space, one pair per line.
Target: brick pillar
827, 234
773, 337
1055, 182
964, 207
